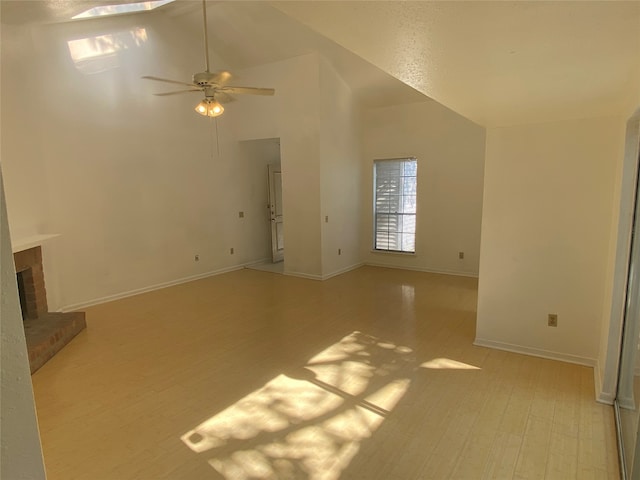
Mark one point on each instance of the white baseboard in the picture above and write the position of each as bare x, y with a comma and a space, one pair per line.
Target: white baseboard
421, 269
258, 262
308, 276
370, 264
323, 277
341, 271
536, 352
158, 286
601, 395
627, 403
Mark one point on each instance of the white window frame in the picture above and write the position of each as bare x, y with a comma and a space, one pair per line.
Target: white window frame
403, 211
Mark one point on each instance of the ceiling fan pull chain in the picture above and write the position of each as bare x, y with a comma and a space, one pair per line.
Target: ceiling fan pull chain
212, 120
217, 139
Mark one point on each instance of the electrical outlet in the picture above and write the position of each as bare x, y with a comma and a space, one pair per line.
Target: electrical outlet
196, 258
460, 255
326, 219
553, 320
231, 250
241, 214
339, 251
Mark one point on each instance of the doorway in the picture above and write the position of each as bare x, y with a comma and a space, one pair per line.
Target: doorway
264, 169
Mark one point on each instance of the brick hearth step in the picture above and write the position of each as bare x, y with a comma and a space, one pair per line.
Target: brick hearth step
49, 333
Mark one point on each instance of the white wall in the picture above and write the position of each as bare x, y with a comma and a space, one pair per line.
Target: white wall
340, 160
135, 184
293, 116
21, 454
27, 188
314, 115
257, 155
547, 218
450, 153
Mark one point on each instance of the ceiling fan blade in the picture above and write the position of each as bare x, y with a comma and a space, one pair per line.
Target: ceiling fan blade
166, 80
220, 78
224, 98
177, 92
247, 90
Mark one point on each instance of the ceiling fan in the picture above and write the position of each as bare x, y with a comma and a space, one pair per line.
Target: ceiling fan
213, 84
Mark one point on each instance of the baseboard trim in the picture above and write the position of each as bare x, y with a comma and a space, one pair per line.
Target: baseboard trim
192, 278
627, 403
421, 269
258, 262
601, 396
308, 276
158, 286
341, 271
536, 352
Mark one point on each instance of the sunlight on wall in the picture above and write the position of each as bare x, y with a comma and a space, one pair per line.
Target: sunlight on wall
100, 53
308, 422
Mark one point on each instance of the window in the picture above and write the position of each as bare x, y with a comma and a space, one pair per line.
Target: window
394, 204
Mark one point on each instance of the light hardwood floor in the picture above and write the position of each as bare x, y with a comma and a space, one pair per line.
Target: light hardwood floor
369, 375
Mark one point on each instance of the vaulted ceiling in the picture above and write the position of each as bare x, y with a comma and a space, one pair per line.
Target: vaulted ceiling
242, 34
497, 63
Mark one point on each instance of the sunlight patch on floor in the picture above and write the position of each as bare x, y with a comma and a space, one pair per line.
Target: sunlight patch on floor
447, 363
308, 422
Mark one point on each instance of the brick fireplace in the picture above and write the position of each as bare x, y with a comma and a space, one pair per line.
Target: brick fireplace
46, 332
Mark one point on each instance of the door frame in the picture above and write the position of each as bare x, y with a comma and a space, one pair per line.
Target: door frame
277, 254
606, 369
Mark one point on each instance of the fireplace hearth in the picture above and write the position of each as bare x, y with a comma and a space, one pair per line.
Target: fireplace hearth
46, 332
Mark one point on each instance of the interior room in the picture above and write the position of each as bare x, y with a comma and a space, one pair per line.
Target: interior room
233, 299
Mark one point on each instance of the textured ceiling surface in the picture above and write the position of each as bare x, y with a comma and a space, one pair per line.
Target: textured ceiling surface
19, 12
247, 34
497, 63
242, 34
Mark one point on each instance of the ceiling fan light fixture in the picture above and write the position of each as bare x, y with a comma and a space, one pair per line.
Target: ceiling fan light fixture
209, 107
210, 83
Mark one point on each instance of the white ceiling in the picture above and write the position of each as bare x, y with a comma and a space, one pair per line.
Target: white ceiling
497, 63
243, 35
20, 12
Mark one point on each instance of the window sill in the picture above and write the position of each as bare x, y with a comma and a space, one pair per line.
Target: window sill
392, 252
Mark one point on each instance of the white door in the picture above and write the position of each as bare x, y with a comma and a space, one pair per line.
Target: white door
275, 213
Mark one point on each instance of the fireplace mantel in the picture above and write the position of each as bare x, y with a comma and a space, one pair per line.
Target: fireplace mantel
25, 243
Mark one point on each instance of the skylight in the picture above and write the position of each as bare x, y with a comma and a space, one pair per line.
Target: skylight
104, 10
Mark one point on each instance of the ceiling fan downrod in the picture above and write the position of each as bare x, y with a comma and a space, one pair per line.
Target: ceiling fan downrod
206, 36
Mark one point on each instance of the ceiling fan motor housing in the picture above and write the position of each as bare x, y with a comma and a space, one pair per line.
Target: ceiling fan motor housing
212, 84
204, 78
